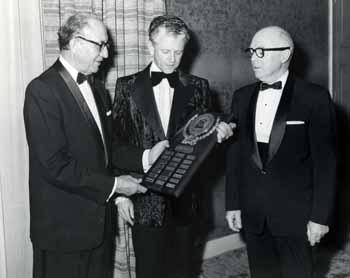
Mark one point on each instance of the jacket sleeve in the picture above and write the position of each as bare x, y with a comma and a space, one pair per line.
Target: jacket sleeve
322, 141
233, 162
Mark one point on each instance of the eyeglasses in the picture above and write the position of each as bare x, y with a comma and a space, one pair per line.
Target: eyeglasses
260, 52
101, 45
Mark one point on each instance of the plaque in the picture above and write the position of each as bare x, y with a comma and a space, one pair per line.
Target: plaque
175, 167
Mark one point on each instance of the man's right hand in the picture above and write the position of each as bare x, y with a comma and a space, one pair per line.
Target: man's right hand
157, 150
234, 221
125, 209
127, 185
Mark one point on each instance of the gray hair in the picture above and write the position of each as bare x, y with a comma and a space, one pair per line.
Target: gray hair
70, 28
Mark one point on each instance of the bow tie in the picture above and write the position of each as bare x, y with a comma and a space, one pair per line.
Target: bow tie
157, 77
81, 78
277, 85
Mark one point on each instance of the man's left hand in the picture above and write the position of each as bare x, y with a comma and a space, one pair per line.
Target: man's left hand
224, 131
315, 232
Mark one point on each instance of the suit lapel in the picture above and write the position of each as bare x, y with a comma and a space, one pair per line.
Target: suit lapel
103, 117
144, 98
279, 124
251, 128
182, 93
84, 108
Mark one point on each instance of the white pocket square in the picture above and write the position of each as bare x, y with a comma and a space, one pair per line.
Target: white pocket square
108, 113
295, 122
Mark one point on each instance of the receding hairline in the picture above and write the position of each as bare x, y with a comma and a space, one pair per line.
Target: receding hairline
277, 34
91, 22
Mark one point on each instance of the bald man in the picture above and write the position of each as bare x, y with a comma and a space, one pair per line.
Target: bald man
68, 120
281, 170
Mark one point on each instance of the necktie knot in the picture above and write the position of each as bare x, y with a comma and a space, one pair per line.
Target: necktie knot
81, 78
277, 85
157, 77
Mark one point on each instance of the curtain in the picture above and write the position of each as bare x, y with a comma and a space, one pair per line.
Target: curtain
2, 237
21, 60
127, 22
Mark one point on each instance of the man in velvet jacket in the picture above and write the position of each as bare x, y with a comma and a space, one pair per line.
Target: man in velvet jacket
150, 107
68, 120
281, 170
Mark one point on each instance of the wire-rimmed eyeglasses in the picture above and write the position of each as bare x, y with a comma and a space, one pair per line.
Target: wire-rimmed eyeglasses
260, 51
101, 45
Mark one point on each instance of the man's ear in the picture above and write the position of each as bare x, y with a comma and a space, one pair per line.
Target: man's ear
73, 44
286, 56
150, 47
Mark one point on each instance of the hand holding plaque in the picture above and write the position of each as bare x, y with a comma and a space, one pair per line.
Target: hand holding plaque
174, 168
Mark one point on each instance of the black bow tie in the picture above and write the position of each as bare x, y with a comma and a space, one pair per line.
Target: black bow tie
277, 85
157, 77
81, 78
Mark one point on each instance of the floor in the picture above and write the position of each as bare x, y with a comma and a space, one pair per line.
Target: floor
234, 264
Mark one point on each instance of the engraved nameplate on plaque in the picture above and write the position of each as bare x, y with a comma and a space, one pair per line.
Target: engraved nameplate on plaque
175, 167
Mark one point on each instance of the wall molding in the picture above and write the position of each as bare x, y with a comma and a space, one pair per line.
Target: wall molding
330, 46
222, 245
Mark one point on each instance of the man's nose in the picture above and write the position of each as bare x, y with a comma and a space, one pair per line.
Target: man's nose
172, 57
104, 52
253, 57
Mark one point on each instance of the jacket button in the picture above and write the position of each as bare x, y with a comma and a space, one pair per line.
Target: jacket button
263, 172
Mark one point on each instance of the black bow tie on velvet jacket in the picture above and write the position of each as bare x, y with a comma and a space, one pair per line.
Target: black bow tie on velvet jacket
81, 78
157, 77
277, 85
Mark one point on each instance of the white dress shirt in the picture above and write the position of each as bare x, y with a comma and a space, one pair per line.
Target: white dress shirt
266, 108
86, 91
163, 95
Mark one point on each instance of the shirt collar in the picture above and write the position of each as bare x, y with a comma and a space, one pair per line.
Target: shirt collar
72, 71
283, 78
154, 67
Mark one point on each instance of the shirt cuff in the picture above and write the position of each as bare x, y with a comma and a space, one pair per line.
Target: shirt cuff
120, 199
145, 160
114, 189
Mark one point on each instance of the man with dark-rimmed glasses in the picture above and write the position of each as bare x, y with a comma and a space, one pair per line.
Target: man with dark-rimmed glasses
68, 119
281, 169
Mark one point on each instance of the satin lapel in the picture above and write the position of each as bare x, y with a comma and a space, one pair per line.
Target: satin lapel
251, 127
144, 98
75, 91
279, 124
182, 94
103, 117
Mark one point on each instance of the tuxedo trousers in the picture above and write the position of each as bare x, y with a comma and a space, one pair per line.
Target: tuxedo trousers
164, 251
272, 256
91, 263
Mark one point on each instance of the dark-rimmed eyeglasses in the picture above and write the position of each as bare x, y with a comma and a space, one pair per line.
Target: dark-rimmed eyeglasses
260, 51
101, 45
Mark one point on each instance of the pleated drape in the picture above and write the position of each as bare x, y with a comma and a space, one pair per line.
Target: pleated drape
127, 22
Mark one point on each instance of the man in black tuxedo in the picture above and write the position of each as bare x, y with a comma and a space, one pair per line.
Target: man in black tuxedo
281, 170
68, 120
149, 107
